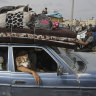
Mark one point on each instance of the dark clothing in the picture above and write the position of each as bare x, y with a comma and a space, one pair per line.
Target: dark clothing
94, 36
44, 11
90, 41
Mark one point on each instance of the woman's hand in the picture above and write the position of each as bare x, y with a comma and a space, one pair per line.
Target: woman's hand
76, 41
37, 78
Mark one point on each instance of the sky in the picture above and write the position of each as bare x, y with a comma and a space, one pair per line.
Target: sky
83, 9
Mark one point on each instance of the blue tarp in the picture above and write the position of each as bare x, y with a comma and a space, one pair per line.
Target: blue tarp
57, 15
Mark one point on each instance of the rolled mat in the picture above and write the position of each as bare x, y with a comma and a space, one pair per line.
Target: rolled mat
60, 37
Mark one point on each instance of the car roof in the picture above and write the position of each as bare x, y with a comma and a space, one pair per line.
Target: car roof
20, 44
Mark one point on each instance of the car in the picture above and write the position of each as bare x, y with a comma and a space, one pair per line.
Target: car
62, 72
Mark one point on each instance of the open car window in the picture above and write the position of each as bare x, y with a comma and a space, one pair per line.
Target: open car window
38, 57
3, 59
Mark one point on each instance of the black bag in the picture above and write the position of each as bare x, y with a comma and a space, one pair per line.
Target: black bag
40, 21
31, 23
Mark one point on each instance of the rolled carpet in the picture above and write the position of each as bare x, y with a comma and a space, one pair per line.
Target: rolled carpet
60, 37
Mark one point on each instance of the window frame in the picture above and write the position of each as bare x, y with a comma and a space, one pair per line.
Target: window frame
45, 49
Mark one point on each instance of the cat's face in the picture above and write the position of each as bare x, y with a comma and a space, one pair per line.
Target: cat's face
23, 61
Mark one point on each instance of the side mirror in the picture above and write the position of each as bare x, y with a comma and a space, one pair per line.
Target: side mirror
60, 70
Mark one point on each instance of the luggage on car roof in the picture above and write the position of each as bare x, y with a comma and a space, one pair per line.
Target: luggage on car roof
38, 29
40, 21
60, 37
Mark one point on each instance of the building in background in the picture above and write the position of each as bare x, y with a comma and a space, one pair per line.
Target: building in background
88, 22
55, 17
67, 22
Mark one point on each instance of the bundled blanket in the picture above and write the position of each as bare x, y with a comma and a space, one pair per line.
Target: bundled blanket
14, 17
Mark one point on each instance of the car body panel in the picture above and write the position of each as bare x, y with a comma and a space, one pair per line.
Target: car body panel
53, 84
5, 84
87, 84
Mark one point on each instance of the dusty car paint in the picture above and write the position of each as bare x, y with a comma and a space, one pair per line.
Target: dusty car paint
66, 84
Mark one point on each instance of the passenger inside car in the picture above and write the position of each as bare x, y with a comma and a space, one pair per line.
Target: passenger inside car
39, 58
3, 58
23, 64
33, 60
45, 62
1, 63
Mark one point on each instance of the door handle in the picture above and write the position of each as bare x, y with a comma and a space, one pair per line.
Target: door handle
18, 82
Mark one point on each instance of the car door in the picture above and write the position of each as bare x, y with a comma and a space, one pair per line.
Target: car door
87, 74
87, 84
51, 85
5, 84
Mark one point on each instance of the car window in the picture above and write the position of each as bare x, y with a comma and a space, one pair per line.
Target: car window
3, 58
38, 57
75, 62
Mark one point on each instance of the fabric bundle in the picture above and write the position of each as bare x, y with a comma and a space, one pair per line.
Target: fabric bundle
16, 18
